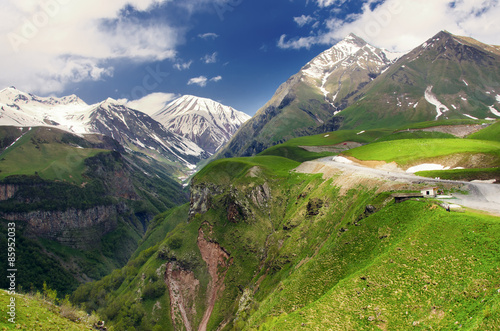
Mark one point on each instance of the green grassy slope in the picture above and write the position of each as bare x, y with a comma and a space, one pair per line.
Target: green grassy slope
492, 132
410, 265
45, 152
408, 151
35, 313
305, 253
292, 150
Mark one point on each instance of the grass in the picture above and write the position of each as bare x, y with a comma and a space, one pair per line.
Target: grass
463, 174
430, 270
222, 171
407, 151
492, 132
39, 152
291, 149
35, 313
308, 256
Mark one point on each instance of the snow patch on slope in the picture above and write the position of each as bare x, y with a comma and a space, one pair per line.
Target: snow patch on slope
494, 111
433, 100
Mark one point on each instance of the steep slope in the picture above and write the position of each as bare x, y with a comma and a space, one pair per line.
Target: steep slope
447, 77
135, 130
306, 103
80, 204
283, 250
206, 122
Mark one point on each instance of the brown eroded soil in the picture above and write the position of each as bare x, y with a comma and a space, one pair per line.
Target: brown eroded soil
183, 289
216, 259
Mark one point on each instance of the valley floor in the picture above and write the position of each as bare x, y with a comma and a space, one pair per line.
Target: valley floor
481, 196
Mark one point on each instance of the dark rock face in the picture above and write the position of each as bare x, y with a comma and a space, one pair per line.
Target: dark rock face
72, 227
201, 198
313, 206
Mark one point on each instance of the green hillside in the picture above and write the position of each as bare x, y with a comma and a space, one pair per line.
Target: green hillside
463, 75
411, 266
492, 132
292, 150
306, 252
48, 153
34, 312
407, 152
81, 204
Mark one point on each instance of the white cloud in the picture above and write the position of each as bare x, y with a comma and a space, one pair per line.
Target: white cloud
201, 81
209, 35
183, 65
297, 43
404, 24
210, 58
49, 44
151, 103
328, 3
304, 20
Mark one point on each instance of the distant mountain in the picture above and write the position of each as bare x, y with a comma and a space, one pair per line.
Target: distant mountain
134, 129
447, 77
306, 103
206, 122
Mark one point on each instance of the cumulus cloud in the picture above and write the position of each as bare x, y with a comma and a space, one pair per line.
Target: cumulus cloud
49, 44
297, 43
151, 103
401, 25
210, 58
304, 20
183, 65
200, 81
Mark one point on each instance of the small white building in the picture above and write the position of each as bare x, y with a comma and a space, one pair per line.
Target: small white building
429, 191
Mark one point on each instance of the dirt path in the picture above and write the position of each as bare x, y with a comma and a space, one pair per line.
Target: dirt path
481, 196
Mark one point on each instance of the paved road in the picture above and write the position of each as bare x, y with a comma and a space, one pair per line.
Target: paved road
481, 196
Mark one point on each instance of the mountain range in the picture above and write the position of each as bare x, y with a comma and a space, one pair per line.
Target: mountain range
330, 222
356, 85
186, 131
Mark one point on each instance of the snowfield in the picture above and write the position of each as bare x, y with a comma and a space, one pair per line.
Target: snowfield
433, 100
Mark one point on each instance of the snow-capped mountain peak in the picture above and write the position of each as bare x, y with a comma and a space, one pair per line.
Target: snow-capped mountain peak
135, 130
204, 121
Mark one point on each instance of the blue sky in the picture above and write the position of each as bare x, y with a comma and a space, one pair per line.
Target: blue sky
236, 52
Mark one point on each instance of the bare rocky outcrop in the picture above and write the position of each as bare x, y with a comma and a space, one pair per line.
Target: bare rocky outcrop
261, 195
201, 198
459, 131
7, 191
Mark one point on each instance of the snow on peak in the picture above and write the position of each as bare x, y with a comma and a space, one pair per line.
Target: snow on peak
204, 121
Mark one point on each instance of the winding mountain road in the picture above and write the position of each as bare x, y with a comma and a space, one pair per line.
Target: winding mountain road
482, 196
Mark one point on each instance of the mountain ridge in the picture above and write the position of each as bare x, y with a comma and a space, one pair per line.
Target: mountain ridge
307, 102
206, 122
355, 85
